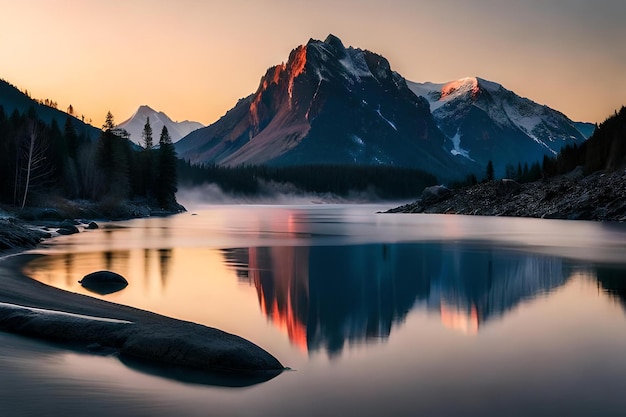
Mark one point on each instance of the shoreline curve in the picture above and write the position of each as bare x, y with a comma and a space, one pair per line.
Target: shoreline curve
33, 309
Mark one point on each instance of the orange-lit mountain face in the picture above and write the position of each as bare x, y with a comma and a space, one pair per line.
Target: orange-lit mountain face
328, 104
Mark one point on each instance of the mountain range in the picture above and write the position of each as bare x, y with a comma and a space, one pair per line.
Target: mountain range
331, 104
327, 105
485, 121
135, 124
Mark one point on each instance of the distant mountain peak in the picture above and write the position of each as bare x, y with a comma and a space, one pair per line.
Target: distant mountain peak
485, 121
135, 124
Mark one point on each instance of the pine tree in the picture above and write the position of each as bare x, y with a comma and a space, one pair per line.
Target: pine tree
109, 123
146, 135
489, 174
167, 179
71, 138
145, 182
113, 161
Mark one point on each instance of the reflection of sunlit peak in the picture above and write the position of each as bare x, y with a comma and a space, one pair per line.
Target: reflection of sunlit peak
456, 318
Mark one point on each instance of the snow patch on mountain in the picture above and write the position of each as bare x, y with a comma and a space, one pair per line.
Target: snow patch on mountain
389, 122
457, 150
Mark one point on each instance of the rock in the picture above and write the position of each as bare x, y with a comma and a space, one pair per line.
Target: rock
160, 341
67, 223
15, 234
67, 227
68, 230
104, 282
507, 186
92, 226
597, 196
435, 194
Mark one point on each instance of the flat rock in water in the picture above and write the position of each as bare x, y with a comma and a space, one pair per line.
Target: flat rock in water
104, 282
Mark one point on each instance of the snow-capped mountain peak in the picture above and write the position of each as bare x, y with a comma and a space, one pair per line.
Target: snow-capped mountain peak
135, 124
458, 87
481, 118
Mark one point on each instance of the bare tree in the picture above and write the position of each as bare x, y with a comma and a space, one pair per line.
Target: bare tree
34, 156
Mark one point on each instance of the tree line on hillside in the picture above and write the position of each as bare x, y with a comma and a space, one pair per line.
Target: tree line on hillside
604, 150
39, 161
386, 182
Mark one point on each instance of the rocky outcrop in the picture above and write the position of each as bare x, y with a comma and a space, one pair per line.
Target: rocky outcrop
598, 196
15, 234
434, 194
167, 342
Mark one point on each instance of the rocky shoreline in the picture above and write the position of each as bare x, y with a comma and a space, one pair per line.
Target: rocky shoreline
33, 309
24, 229
600, 196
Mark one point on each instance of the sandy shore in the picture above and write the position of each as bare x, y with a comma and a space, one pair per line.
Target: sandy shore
149, 337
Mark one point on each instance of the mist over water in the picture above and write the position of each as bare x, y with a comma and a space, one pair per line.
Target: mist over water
378, 314
271, 194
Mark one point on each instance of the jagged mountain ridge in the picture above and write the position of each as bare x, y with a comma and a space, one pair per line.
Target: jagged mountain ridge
135, 124
485, 121
327, 104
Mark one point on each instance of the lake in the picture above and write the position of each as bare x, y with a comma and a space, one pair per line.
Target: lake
375, 314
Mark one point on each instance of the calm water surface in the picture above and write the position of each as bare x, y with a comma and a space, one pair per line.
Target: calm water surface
377, 314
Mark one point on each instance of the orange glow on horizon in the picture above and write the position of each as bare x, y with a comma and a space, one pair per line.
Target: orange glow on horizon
194, 60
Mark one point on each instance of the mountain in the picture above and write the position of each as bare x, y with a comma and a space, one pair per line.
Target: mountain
135, 124
328, 105
485, 121
12, 99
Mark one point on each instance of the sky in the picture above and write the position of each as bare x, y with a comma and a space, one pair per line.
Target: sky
193, 59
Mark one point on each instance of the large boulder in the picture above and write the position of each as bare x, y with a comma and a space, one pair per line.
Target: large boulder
67, 227
435, 194
92, 226
103, 282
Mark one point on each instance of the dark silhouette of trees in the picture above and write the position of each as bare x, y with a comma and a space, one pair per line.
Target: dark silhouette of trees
167, 178
604, 150
489, 173
113, 160
40, 161
145, 181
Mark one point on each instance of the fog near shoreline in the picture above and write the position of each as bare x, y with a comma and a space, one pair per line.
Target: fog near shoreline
273, 194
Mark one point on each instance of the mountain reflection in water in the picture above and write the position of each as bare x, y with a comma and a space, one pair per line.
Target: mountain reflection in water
329, 278
326, 296
373, 312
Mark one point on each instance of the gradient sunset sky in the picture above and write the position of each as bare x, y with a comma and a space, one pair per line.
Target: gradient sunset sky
193, 59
